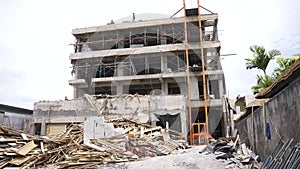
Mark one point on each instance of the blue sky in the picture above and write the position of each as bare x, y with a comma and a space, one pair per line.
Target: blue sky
35, 37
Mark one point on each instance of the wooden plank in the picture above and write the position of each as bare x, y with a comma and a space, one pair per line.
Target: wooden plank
20, 160
3, 163
244, 149
27, 148
32, 162
55, 129
93, 146
7, 140
235, 142
10, 154
3, 130
42, 147
24, 136
12, 144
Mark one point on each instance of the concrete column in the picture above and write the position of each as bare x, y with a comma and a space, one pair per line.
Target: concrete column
146, 65
119, 88
194, 88
43, 127
164, 88
163, 39
221, 88
164, 63
79, 92
120, 70
183, 88
184, 123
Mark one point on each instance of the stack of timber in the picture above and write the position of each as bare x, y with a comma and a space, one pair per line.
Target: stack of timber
67, 150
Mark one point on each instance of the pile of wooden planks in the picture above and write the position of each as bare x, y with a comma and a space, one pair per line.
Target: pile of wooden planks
19, 149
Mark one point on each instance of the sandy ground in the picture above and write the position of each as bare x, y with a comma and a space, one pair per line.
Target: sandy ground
182, 159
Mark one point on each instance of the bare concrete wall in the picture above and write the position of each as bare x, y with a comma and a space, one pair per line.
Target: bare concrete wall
121, 105
145, 108
1, 118
282, 113
16, 121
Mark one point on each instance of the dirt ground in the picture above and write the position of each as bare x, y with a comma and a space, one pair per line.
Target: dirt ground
182, 159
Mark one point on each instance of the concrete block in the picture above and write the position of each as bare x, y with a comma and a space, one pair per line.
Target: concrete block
119, 131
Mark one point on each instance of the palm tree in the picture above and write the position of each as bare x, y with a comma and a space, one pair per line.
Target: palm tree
261, 58
283, 64
262, 83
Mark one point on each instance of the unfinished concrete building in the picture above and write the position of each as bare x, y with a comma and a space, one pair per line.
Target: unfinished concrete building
16, 117
139, 68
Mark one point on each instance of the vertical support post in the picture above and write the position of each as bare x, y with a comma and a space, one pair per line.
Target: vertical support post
221, 90
173, 34
146, 65
130, 38
43, 127
103, 40
163, 66
145, 36
178, 61
203, 73
157, 36
117, 40
215, 33
188, 74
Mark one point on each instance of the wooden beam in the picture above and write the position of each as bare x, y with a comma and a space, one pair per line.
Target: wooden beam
26, 148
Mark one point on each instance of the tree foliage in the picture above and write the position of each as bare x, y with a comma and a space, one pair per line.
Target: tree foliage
263, 82
261, 58
283, 64
260, 61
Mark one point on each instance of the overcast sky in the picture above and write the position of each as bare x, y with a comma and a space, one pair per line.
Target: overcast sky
35, 37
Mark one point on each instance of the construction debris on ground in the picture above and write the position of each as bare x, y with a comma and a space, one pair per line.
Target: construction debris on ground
67, 150
235, 155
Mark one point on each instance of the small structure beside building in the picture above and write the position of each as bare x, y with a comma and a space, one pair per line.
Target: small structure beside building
276, 121
52, 117
16, 117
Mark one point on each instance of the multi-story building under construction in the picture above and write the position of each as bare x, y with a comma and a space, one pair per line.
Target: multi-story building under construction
146, 60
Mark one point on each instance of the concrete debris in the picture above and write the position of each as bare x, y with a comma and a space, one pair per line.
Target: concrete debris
235, 156
67, 150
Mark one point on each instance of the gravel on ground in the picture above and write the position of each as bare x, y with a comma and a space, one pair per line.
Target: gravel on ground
181, 159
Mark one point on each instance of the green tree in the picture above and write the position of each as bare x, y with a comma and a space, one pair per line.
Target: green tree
261, 58
263, 82
298, 54
283, 64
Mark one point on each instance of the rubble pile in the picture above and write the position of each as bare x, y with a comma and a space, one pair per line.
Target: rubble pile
67, 150
236, 156
142, 140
